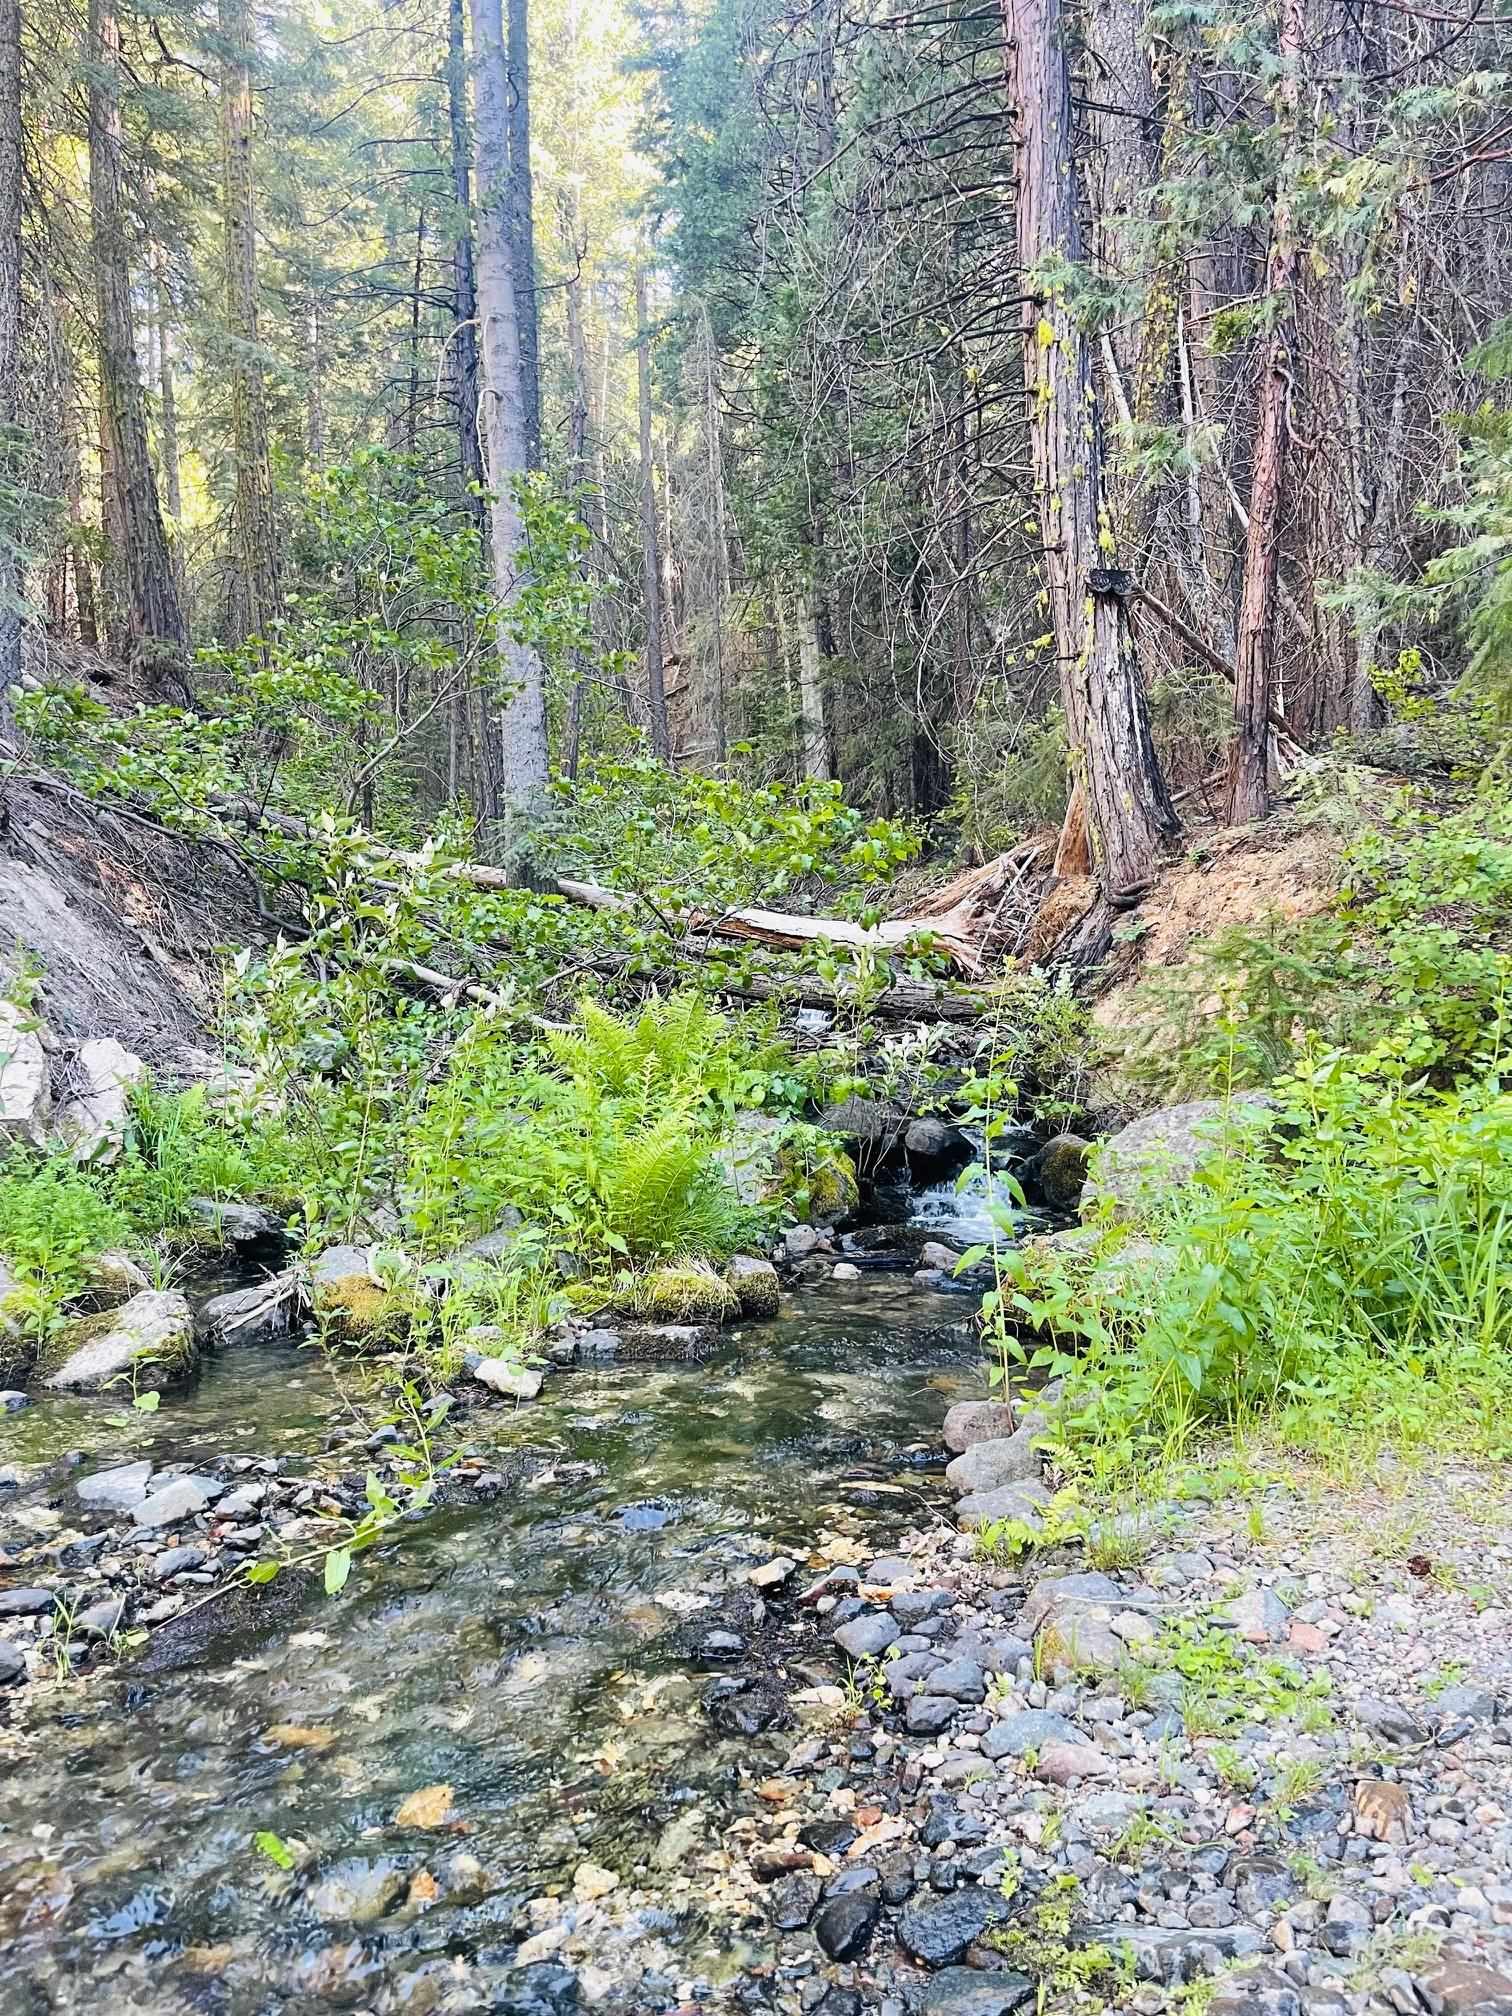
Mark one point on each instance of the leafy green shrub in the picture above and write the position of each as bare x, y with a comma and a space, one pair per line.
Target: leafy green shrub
53, 1221
1341, 1274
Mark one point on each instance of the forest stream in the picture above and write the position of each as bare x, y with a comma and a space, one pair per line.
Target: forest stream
543, 1649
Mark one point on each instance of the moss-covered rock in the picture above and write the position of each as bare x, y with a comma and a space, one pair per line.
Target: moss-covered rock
755, 1284
685, 1293
820, 1189
350, 1306
1060, 1170
152, 1334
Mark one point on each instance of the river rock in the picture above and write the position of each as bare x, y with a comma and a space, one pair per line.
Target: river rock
92, 1123
930, 1714
237, 1224
26, 1602
987, 1466
1030, 1729
794, 1901
645, 1343
1173, 1956
116, 1490
12, 1663
12, 1400
356, 1892
937, 1930
1160, 1153
1022, 1502
152, 1335
972, 1421
176, 1561
755, 1284
180, 1498
513, 1382
932, 1254
25, 1084
867, 1637
252, 1315
934, 1147
871, 1124
964, 1991
844, 1924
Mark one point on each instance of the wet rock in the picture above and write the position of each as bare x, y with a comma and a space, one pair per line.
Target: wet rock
1030, 1729
867, 1637
988, 1466
100, 1620
543, 1989
844, 1270
755, 1285
181, 1498
152, 1335
356, 1892
26, 1602
794, 1901
721, 1645
1161, 1152
771, 1574
237, 1224
845, 1924
253, 1315
12, 1400
934, 1147
676, 1343
947, 1822
800, 1242
117, 1490
937, 1930
971, 1421
12, 1663
510, 1381
1060, 1170
92, 1124
933, 1254
25, 1085
963, 1991
827, 1837
598, 1347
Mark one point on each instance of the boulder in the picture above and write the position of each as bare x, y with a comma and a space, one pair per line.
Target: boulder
116, 1490
645, 1343
350, 1306
25, 1085
513, 1382
232, 1223
987, 1466
872, 1125
1060, 1169
252, 1315
755, 1285
1162, 1152
748, 1158
1024, 1503
933, 1254
934, 1148
971, 1421
151, 1336
824, 1189
689, 1293
92, 1121
114, 1278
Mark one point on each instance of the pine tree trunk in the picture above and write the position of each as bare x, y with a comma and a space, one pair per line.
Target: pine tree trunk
1249, 778
518, 777
10, 321
816, 763
656, 694
1113, 758
154, 619
252, 584
522, 226
168, 447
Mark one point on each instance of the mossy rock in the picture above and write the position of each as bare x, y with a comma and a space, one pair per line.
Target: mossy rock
755, 1284
350, 1306
1060, 1169
152, 1334
824, 1191
683, 1294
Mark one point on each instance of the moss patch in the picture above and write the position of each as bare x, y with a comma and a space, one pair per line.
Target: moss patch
354, 1310
820, 1191
682, 1294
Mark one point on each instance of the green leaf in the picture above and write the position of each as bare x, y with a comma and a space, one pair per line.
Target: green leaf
263, 1571
276, 1850
338, 1565
147, 1403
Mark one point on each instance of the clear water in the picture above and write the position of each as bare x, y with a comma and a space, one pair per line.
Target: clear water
534, 1653
961, 1214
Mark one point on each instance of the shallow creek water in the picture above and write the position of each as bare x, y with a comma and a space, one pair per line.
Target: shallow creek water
536, 1653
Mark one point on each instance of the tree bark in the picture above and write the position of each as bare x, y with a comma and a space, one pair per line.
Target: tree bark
656, 693
252, 585
520, 774
1128, 808
156, 632
1249, 781
522, 226
816, 763
10, 325
168, 446
464, 344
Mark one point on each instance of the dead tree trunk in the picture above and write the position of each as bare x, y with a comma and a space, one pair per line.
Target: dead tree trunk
1249, 781
252, 588
656, 692
1127, 807
154, 619
520, 727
